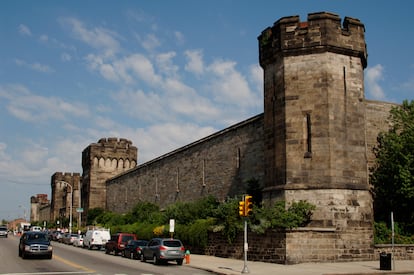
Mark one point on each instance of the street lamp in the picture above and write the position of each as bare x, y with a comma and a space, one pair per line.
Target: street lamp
71, 203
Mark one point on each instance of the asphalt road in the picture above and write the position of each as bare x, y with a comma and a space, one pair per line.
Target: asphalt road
73, 260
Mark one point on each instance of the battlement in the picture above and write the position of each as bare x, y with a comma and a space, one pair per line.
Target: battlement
71, 178
63, 175
109, 148
114, 142
321, 33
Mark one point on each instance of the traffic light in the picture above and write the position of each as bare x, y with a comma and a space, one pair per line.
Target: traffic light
242, 212
248, 205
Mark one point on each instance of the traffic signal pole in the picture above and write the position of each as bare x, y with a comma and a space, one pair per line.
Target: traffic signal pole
246, 246
245, 210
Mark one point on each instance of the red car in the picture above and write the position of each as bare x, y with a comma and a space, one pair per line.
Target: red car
118, 242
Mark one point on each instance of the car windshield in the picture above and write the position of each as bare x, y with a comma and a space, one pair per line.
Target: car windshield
142, 243
172, 243
40, 237
127, 238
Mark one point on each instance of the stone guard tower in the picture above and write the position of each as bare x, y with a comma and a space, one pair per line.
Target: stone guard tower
314, 133
61, 199
101, 161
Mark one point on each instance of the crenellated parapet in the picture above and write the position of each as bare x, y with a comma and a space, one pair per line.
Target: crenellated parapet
111, 152
71, 178
322, 32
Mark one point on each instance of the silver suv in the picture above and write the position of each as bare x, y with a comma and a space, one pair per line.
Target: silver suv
162, 250
3, 231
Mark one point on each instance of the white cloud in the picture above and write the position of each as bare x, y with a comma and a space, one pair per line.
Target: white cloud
44, 38
139, 66
30, 107
24, 30
229, 85
34, 66
98, 38
166, 65
185, 101
143, 106
179, 37
150, 42
65, 57
373, 76
163, 138
195, 63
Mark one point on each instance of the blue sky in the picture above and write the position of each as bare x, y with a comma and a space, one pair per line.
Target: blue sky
159, 73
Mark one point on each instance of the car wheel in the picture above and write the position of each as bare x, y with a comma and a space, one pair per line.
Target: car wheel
142, 258
107, 251
155, 260
23, 255
49, 257
20, 253
180, 262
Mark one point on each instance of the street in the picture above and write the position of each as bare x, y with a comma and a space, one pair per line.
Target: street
72, 260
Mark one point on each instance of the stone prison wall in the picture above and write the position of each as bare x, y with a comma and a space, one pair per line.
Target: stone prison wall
218, 165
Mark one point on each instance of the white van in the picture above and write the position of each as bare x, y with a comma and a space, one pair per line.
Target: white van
96, 238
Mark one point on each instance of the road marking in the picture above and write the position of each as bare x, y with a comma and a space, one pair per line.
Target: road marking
73, 264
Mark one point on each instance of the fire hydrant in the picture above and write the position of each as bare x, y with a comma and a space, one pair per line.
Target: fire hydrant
187, 256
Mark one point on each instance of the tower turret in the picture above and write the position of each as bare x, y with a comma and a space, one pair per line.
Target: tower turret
100, 161
314, 128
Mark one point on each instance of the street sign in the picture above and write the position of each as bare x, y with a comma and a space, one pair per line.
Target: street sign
172, 224
79, 210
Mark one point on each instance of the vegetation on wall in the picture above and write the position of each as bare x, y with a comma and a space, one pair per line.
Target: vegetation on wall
383, 234
393, 173
193, 220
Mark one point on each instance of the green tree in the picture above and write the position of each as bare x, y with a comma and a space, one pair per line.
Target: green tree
393, 173
255, 190
93, 214
188, 212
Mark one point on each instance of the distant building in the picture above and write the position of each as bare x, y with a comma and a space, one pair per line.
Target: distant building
39, 208
65, 193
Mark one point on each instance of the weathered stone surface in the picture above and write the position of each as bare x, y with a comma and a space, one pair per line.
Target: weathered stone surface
101, 161
61, 199
316, 114
218, 165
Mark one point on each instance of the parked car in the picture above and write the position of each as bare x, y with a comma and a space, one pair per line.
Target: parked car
96, 238
3, 231
35, 243
163, 250
68, 238
56, 235
78, 241
133, 249
118, 242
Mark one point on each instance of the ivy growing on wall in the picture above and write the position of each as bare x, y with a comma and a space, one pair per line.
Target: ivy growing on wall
193, 220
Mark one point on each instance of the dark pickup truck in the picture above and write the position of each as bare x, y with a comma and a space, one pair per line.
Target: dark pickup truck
118, 242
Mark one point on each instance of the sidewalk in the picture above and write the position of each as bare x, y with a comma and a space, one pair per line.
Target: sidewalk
225, 266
